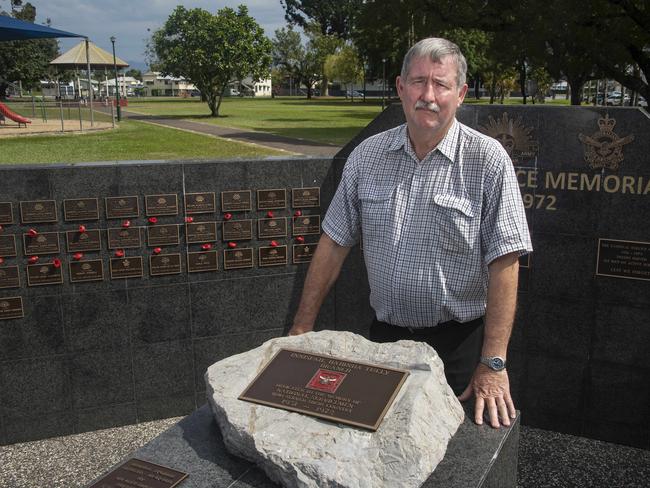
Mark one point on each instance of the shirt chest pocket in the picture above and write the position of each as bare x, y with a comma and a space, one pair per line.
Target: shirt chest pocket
376, 210
456, 225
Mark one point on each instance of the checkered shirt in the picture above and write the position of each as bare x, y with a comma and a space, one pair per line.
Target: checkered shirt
429, 228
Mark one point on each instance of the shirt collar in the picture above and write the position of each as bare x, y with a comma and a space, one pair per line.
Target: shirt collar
447, 146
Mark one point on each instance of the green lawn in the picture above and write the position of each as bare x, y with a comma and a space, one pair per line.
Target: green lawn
133, 140
334, 121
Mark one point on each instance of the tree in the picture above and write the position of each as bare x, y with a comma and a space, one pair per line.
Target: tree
134, 73
25, 61
344, 66
333, 17
211, 51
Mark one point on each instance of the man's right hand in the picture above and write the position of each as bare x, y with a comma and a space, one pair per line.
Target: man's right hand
300, 329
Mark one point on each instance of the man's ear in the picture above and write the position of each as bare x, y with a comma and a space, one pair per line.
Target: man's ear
399, 85
461, 94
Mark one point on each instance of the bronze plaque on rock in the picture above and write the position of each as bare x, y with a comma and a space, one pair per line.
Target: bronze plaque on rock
327, 387
236, 201
89, 270
11, 308
6, 213
81, 209
44, 274
623, 259
162, 235
306, 224
237, 230
305, 197
202, 261
44, 243
302, 253
199, 203
124, 238
238, 258
38, 211
9, 277
272, 228
158, 205
272, 256
83, 241
122, 207
164, 264
7, 246
198, 232
141, 474
271, 199
126, 267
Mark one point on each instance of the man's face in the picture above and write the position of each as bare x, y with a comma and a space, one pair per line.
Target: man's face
429, 84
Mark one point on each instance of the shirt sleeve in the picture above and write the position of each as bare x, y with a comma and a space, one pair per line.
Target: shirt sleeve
504, 228
342, 222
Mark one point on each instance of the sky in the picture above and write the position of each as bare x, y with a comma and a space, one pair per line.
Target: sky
129, 20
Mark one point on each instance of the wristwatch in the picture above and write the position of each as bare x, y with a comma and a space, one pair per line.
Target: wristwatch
495, 363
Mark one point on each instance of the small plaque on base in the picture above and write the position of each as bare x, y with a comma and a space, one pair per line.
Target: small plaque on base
623, 259
202, 262
122, 207
162, 235
157, 205
124, 238
9, 277
130, 267
237, 230
11, 308
81, 209
235, 201
6, 213
272, 228
306, 224
238, 258
44, 243
141, 474
88, 270
7, 246
199, 203
83, 241
199, 232
165, 264
272, 256
271, 199
302, 253
305, 197
38, 211
44, 274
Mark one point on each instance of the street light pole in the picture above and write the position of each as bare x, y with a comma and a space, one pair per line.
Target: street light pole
117, 89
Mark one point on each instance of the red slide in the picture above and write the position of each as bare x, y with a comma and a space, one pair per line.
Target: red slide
4, 110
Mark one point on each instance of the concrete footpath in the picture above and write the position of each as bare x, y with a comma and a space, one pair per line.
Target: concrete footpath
289, 144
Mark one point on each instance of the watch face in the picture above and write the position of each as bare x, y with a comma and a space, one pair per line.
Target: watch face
496, 364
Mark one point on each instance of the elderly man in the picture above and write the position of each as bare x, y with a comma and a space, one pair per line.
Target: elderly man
443, 225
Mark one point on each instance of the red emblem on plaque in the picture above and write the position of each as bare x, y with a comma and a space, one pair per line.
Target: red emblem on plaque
326, 380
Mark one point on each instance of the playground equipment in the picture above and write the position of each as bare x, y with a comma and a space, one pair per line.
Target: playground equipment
6, 112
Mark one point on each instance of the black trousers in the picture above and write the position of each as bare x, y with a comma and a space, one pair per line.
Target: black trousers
458, 345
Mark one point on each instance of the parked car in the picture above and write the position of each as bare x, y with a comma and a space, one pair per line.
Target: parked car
614, 98
353, 94
642, 102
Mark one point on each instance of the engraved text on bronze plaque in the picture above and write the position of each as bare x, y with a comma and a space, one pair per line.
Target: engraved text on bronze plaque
162, 235
237, 230
272, 256
336, 389
306, 224
201, 262
11, 308
81, 209
305, 197
235, 201
141, 474
238, 258
44, 243
88, 270
157, 205
44, 274
198, 232
271, 199
7, 246
198, 203
37, 211
122, 207
164, 264
6, 213
83, 241
9, 277
623, 259
124, 238
130, 267
272, 228
302, 253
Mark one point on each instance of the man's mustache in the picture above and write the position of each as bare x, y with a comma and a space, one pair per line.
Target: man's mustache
431, 106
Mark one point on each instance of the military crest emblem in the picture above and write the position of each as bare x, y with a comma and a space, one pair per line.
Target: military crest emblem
515, 138
604, 149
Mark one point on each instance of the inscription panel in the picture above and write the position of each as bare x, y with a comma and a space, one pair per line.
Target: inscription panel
303, 253
87, 270
271, 199
44, 243
11, 308
237, 230
199, 232
272, 228
9, 277
135, 473
158, 205
129, 267
198, 203
306, 224
202, 262
124, 238
6, 213
238, 258
623, 259
122, 207
236, 201
7, 246
162, 235
38, 211
83, 241
305, 197
272, 256
81, 209
164, 264
44, 274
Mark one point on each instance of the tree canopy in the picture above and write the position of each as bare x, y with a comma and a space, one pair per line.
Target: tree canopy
332, 17
212, 50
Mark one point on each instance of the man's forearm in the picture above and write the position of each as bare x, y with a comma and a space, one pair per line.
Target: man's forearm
323, 272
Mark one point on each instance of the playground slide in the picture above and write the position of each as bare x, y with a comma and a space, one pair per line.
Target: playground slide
4, 110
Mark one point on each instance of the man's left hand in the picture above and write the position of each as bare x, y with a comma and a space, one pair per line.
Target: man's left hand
492, 390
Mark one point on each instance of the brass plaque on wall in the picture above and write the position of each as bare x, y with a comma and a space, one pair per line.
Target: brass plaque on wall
271, 199
164, 264
238, 258
9, 277
272, 256
306, 224
124, 238
43, 243
198, 232
89, 270
11, 308
6, 213
130, 267
272, 228
81, 209
162, 235
302, 253
135, 473
122, 207
198, 203
202, 261
38, 211
235, 201
7, 246
327, 387
44, 274
305, 197
237, 230
623, 259
83, 241
157, 205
